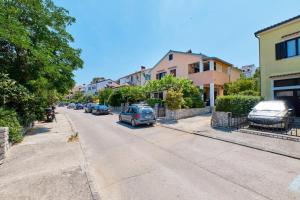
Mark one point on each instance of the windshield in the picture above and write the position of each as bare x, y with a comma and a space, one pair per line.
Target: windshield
270, 106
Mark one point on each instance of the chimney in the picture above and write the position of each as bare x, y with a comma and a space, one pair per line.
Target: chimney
143, 68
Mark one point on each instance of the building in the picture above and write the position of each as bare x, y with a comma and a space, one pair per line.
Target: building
77, 88
136, 79
279, 60
209, 73
94, 88
248, 70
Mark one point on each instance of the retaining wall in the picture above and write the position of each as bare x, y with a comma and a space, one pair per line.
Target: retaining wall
4, 143
185, 113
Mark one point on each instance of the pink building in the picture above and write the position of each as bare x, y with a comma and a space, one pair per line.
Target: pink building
209, 73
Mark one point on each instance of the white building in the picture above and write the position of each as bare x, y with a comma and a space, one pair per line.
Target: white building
94, 88
138, 78
248, 70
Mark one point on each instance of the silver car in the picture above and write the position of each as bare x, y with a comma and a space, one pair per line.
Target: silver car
270, 114
138, 114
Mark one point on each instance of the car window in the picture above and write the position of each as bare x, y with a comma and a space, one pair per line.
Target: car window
270, 106
134, 110
147, 110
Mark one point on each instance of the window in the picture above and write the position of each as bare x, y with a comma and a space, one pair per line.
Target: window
215, 66
173, 72
291, 48
194, 68
298, 46
287, 49
160, 75
287, 82
206, 66
170, 57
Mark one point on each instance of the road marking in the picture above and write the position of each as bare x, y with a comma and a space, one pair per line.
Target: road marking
295, 185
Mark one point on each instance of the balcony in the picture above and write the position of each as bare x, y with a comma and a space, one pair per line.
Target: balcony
206, 77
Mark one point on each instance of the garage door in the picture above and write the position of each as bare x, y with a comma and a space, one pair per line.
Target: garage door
292, 97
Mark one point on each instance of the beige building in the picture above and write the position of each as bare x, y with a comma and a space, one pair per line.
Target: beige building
209, 73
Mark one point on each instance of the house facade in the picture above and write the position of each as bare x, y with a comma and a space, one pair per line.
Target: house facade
248, 70
94, 88
279, 59
209, 73
139, 78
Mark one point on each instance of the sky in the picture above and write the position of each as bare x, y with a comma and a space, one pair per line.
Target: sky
119, 36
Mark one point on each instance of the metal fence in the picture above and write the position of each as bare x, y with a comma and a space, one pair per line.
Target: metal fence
287, 126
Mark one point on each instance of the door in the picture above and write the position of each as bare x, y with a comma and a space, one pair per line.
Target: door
291, 97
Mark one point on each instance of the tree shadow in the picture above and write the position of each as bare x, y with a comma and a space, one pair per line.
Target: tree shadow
37, 131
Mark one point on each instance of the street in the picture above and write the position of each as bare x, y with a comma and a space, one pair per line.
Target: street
155, 163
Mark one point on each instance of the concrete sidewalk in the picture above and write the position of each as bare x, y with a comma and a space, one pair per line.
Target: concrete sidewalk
45, 166
200, 125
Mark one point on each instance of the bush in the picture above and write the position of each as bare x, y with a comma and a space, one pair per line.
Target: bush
188, 102
151, 102
236, 104
249, 93
198, 103
8, 118
174, 99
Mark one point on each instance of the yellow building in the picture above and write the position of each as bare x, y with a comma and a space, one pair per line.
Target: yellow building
279, 60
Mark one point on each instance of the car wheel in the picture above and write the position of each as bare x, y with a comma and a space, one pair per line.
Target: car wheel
133, 123
120, 119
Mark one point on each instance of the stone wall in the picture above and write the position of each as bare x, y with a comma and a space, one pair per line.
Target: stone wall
4, 143
220, 119
185, 113
225, 120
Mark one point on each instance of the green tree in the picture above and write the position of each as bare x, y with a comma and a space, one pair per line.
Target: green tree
104, 95
35, 48
174, 99
242, 85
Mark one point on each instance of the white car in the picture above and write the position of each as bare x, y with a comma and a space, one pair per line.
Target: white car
270, 114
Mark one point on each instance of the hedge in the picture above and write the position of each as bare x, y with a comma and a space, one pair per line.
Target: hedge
8, 118
151, 102
238, 104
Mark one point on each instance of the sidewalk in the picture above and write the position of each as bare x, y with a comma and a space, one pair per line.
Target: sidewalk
200, 125
45, 166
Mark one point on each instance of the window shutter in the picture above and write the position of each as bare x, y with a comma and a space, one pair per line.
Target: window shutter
280, 50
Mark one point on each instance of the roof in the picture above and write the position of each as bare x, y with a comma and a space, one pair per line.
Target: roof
181, 52
276, 25
217, 59
135, 73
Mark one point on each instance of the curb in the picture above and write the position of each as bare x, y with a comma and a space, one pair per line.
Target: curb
290, 155
91, 182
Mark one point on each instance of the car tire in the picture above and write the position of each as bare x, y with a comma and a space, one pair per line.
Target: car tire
133, 123
120, 119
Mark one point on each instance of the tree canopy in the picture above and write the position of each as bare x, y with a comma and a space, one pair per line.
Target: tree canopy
36, 55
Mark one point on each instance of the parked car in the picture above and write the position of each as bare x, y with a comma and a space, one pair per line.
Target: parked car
78, 106
71, 106
89, 107
61, 104
270, 114
101, 110
137, 114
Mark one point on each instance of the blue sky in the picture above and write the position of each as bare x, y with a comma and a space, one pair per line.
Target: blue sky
118, 36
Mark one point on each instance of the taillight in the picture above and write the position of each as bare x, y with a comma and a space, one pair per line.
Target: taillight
137, 116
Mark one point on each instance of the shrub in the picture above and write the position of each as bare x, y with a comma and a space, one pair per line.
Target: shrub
151, 102
198, 103
8, 118
188, 102
249, 93
236, 104
115, 99
174, 99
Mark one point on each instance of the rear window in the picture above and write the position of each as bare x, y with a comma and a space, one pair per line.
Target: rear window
147, 110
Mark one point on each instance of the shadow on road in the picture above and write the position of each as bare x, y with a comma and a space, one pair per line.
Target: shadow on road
142, 126
38, 130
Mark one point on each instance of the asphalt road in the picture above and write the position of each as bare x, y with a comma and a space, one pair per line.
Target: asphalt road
161, 164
